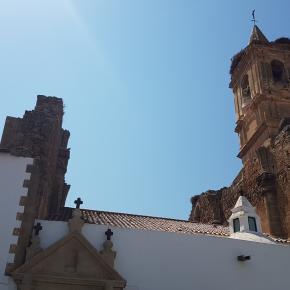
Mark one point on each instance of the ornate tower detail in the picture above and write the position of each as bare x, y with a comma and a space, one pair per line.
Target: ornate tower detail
260, 80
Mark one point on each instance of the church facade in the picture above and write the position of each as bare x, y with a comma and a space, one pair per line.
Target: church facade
226, 244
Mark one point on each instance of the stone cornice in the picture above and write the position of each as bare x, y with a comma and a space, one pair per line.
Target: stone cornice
252, 140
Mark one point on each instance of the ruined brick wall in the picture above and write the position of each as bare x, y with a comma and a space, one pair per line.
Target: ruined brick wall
264, 180
214, 206
281, 152
39, 135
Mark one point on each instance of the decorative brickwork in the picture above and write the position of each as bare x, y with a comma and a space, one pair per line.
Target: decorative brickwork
39, 134
19, 216
12, 249
22, 201
26, 183
16, 231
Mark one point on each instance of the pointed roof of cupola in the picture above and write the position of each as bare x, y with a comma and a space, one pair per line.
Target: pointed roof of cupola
258, 36
242, 204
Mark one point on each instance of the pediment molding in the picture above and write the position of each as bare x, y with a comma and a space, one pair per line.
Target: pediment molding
70, 261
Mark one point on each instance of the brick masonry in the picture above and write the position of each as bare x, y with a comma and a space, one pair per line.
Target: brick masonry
39, 134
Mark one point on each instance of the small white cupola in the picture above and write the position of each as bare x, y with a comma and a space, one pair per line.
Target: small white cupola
244, 217
245, 224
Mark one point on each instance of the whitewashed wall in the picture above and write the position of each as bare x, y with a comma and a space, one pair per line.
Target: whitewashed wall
12, 174
151, 260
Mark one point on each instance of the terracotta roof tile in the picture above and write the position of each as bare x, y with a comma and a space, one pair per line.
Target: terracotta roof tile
132, 221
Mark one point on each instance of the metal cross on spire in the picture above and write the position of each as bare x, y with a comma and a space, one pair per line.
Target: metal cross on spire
37, 228
254, 17
78, 202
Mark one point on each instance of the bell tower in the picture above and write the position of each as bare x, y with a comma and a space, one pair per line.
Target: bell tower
260, 83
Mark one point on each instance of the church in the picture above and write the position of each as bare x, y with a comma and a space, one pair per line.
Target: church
235, 238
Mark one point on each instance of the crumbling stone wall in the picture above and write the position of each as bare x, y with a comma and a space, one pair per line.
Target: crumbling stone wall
264, 180
281, 152
39, 135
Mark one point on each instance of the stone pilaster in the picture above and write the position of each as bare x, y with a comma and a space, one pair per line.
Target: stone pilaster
267, 183
34, 248
108, 253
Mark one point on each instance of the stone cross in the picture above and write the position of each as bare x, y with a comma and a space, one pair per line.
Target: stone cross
109, 234
78, 202
37, 228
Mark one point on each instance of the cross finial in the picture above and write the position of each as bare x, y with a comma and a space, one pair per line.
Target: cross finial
254, 17
37, 228
78, 202
109, 234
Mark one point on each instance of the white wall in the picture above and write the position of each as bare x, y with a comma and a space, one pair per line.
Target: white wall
12, 174
151, 260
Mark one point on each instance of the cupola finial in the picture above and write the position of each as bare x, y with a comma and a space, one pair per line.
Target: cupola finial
257, 35
254, 17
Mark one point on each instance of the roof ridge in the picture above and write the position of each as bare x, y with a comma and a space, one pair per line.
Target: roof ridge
140, 215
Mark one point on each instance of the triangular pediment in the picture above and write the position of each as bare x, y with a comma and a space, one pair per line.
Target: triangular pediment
72, 257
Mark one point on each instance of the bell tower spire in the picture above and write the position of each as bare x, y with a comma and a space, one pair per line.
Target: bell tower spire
260, 83
258, 36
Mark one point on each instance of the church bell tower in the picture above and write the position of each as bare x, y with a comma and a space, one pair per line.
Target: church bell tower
260, 83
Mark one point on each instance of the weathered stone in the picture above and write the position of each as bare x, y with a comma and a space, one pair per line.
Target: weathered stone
76, 222
39, 135
263, 125
108, 253
34, 248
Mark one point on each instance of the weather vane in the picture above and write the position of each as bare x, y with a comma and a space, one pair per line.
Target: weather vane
254, 17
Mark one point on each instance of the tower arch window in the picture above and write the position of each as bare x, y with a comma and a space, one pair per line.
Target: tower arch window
236, 225
278, 71
246, 90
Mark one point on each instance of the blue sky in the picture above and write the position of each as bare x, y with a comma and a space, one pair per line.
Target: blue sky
145, 85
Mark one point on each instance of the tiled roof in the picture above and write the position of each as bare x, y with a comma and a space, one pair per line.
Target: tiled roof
132, 221
279, 240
